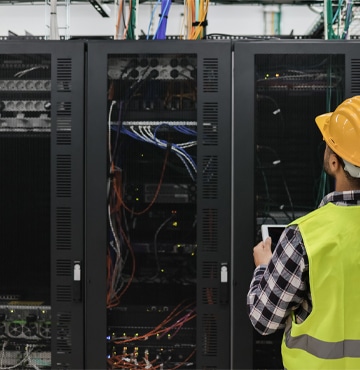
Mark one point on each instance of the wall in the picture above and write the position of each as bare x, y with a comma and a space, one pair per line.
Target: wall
84, 20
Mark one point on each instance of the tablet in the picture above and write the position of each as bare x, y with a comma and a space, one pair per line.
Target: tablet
274, 231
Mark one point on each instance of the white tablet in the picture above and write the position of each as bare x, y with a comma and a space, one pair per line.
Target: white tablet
274, 231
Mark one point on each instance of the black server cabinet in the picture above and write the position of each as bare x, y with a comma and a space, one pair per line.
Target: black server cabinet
279, 88
41, 197
158, 210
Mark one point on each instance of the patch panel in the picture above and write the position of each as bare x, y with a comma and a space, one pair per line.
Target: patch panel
157, 67
25, 85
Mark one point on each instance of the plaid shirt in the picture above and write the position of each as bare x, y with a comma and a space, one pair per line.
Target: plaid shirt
282, 286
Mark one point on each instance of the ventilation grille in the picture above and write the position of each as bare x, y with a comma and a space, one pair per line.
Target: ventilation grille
63, 228
210, 125
63, 175
209, 344
63, 123
63, 342
210, 177
66, 319
211, 75
63, 268
209, 270
210, 230
355, 76
63, 293
64, 74
209, 295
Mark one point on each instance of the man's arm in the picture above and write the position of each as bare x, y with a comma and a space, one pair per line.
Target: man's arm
277, 287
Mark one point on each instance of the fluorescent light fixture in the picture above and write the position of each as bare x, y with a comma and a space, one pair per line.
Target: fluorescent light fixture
103, 9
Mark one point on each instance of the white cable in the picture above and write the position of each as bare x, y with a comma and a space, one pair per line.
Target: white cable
117, 265
22, 73
132, 128
109, 129
27, 356
187, 144
54, 29
2, 354
149, 137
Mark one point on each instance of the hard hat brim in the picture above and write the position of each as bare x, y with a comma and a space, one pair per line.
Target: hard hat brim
322, 122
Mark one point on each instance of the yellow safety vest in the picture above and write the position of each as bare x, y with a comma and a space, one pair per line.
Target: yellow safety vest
329, 338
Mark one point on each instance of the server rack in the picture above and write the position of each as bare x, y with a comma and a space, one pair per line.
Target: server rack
279, 88
169, 220
41, 190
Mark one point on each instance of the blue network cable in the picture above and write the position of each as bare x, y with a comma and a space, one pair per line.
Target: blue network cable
145, 135
152, 18
160, 33
185, 130
177, 148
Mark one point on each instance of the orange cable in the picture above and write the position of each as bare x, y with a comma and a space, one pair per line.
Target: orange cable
119, 16
133, 264
156, 192
159, 328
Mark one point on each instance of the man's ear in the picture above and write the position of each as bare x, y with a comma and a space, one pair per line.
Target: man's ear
334, 162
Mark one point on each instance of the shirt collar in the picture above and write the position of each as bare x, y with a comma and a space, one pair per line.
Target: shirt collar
349, 197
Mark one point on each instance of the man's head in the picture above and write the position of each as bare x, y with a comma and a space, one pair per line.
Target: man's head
341, 132
334, 166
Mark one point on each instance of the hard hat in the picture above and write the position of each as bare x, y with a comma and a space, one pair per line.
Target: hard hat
341, 130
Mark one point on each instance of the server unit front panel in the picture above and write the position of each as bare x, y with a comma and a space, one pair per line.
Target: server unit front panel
280, 87
36, 88
160, 203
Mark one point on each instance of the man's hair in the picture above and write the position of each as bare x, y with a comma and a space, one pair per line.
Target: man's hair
354, 181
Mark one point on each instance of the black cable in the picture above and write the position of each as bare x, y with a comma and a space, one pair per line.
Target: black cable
277, 162
155, 243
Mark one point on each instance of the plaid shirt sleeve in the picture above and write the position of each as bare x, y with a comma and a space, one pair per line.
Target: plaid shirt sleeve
280, 287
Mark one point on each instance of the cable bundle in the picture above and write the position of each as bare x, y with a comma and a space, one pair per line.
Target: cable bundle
170, 326
160, 33
340, 31
196, 13
125, 27
145, 133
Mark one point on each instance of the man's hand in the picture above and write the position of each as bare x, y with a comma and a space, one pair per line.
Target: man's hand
262, 252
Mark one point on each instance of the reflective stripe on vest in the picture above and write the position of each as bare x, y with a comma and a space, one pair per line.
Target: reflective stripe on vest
322, 349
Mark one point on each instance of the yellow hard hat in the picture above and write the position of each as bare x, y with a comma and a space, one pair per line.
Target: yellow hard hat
341, 130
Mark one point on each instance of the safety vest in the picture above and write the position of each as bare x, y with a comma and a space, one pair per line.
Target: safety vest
329, 338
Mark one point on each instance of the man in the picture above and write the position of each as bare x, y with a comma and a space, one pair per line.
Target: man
315, 268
